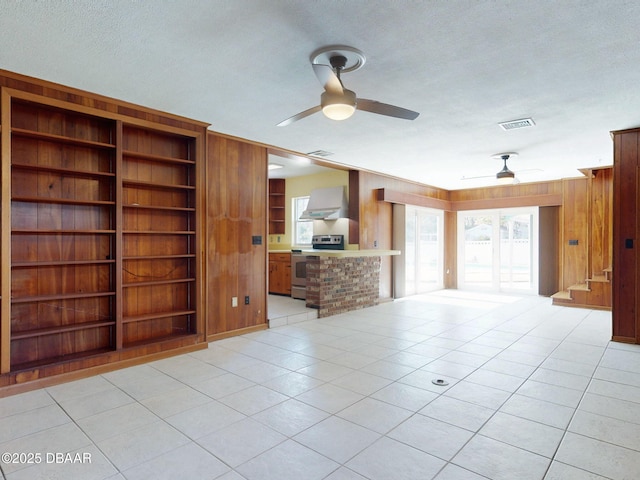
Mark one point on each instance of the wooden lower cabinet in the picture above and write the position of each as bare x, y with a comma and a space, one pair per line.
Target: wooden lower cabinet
280, 273
100, 234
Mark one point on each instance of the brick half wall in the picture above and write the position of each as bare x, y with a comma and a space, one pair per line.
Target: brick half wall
337, 285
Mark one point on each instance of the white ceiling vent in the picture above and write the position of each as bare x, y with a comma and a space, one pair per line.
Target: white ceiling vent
320, 153
515, 124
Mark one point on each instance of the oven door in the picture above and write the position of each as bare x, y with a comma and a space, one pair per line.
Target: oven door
299, 276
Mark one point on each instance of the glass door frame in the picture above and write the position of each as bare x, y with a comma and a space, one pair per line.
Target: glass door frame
400, 268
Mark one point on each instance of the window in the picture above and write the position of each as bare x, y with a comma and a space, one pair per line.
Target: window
302, 229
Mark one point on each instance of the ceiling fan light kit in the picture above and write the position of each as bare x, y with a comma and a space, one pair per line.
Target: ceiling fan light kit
505, 176
338, 106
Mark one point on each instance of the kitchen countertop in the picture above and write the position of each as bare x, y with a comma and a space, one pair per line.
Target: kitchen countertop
341, 253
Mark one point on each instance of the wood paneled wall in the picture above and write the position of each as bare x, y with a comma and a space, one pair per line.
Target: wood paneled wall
371, 220
549, 229
236, 212
508, 196
575, 229
572, 209
601, 220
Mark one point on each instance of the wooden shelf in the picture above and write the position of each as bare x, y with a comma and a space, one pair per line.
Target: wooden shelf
59, 263
157, 186
60, 139
158, 282
29, 366
157, 158
44, 231
160, 257
65, 171
62, 201
157, 340
154, 207
155, 316
159, 232
62, 296
39, 332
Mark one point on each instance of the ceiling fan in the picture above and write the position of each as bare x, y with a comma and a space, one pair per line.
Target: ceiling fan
338, 102
505, 176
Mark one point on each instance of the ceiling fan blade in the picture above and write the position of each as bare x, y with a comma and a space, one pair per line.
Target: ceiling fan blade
517, 172
299, 116
327, 78
464, 177
385, 109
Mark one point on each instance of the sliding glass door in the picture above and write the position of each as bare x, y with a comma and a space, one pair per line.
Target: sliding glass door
418, 234
498, 250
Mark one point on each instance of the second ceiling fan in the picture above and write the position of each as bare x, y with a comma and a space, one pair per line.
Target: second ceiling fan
338, 102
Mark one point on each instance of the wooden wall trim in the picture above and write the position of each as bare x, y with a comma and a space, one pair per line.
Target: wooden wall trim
354, 207
16, 388
394, 196
235, 333
77, 97
5, 236
128, 119
546, 200
450, 250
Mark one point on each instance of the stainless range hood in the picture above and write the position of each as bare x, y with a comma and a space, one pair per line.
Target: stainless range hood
326, 204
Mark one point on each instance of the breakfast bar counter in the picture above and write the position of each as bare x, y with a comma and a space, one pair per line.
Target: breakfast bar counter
340, 281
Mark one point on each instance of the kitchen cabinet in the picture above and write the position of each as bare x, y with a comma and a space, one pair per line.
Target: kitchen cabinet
280, 273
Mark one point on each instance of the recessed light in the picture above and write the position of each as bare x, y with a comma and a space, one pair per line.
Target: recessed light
275, 166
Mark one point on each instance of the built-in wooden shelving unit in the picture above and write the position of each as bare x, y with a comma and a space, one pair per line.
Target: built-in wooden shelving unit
100, 233
62, 234
276, 206
159, 235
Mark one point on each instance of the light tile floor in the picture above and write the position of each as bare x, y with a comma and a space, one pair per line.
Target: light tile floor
534, 391
286, 310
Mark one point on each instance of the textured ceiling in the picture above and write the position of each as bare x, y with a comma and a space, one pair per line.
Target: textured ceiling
465, 65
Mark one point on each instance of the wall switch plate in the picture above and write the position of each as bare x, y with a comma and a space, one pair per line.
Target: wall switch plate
246, 300
234, 301
256, 240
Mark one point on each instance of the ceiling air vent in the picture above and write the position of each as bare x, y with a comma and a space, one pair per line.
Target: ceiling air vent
320, 153
515, 124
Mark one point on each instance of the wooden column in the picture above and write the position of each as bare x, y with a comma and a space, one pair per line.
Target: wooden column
625, 236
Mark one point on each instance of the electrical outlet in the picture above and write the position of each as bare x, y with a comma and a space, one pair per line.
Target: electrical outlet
246, 300
234, 301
